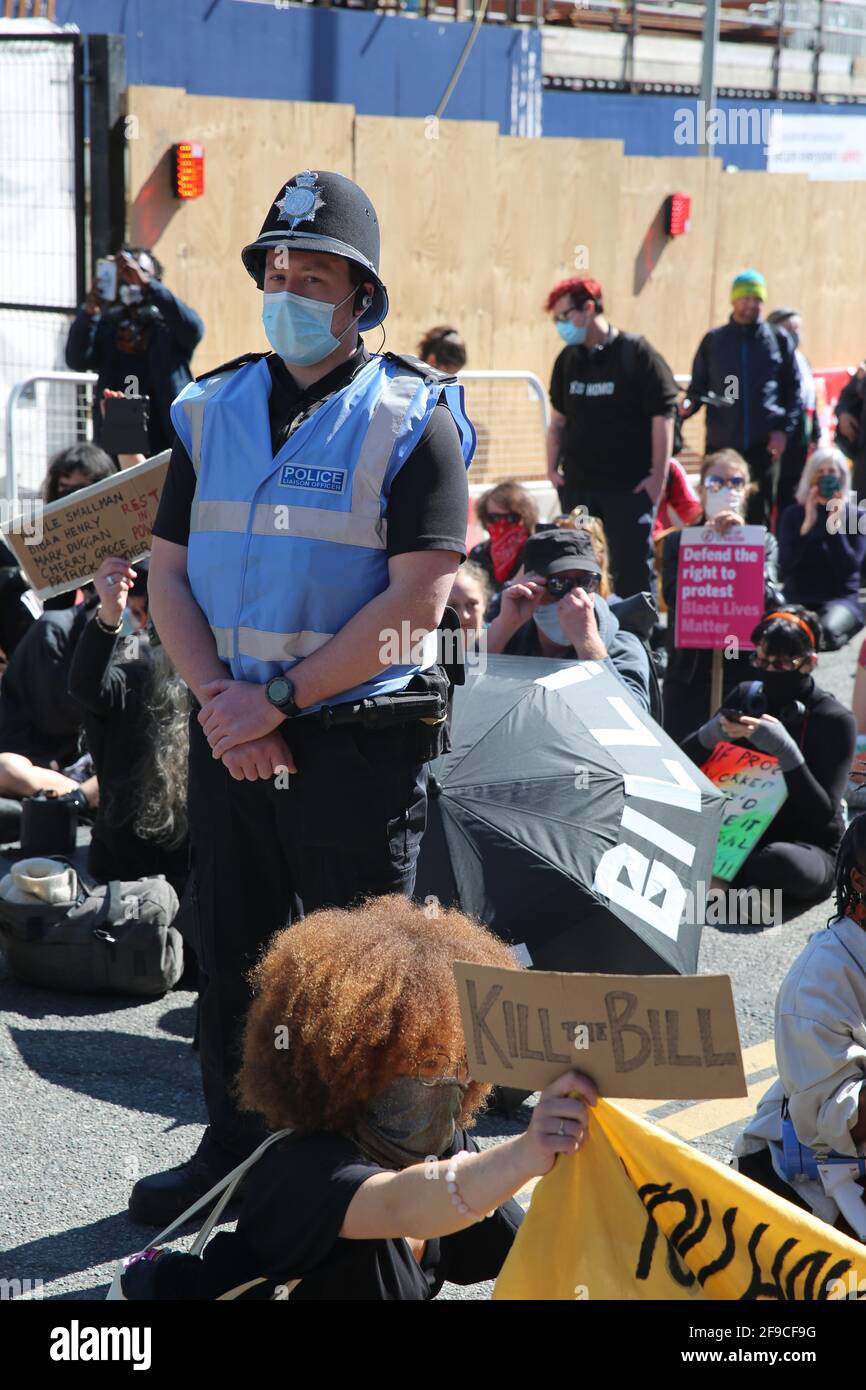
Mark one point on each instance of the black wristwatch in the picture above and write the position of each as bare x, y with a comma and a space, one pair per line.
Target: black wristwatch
280, 691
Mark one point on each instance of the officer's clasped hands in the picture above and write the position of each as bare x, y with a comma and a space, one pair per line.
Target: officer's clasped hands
237, 714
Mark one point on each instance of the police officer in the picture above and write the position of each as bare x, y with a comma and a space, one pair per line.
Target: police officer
312, 520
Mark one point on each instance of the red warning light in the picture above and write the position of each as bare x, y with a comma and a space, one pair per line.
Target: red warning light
188, 170
678, 214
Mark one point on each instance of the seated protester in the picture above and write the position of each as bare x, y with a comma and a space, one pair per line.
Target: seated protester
19, 606
812, 735
555, 611
79, 466
71, 469
856, 793
40, 722
678, 504
820, 1038
723, 490
371, 1075
509, 516
136, 710
469, 597
821, 550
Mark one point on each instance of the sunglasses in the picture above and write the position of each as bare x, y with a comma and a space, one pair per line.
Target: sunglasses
559, 584
736, 484
441, 1067
775, 663
503, 516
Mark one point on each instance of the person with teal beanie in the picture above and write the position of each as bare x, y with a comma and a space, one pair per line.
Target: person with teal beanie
745, 372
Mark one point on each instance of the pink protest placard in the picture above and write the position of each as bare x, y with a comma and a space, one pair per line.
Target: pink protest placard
720, 586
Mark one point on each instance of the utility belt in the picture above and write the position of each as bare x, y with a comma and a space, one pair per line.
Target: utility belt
424, 707
425, 702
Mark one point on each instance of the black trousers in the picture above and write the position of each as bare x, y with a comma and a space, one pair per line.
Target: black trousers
805, 873
763, 470
348, 825
628, 522
791, 466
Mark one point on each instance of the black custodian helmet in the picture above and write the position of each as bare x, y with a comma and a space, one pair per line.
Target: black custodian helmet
323, 212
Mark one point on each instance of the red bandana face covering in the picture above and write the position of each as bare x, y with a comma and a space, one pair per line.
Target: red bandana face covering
507, 539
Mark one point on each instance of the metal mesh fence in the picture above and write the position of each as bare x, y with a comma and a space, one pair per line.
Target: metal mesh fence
509, 412
48, 415
40, 237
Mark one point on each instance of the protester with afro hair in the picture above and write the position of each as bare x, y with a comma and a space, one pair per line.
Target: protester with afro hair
355, 1042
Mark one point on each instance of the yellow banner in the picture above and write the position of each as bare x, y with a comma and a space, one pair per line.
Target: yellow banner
637, 1214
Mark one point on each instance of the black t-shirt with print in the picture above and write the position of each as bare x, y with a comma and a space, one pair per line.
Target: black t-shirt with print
428, 505
609, 394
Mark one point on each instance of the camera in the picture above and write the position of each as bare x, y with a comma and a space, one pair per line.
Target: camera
753, 702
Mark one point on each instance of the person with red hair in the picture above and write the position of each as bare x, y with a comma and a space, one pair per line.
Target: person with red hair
613, 398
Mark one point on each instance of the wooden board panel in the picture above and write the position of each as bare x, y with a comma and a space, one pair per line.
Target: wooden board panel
556, 217
662, 283
433, 186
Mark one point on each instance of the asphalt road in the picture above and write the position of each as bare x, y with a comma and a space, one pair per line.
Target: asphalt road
96, 1092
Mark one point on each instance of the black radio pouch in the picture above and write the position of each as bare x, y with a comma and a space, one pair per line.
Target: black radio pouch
435, 738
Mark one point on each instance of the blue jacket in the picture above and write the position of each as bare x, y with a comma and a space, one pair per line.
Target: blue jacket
284, 550
756, 367
91, 347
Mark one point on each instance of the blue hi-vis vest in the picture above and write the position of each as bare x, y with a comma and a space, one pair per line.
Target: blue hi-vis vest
284, 550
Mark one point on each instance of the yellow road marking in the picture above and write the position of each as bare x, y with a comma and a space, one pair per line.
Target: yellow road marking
759, 1057
710, 1115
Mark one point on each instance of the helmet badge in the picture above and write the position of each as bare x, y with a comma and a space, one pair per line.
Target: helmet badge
300, 201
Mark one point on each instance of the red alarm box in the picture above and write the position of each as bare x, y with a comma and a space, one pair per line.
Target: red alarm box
678, 213
187, 170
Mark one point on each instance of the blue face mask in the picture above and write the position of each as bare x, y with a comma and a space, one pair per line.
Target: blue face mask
547, 619
570, 333
299, 329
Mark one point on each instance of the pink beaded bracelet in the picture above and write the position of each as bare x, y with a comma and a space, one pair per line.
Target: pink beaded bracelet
456, 1197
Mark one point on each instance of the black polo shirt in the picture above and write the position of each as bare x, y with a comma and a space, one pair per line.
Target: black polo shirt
609, 394
428, 505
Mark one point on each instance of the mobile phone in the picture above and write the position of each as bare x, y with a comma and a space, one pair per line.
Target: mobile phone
105, 279
124, 429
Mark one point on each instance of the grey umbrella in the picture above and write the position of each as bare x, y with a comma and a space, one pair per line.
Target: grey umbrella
567, 821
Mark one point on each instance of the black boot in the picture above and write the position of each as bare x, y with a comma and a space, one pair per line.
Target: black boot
162, 1197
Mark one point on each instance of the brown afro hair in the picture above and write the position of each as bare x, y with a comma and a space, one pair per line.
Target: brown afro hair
347, 1000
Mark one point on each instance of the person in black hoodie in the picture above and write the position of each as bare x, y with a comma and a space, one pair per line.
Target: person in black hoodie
813, 737
135, 724
752, 369
146, 340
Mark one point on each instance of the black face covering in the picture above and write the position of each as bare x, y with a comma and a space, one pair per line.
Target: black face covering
785, 687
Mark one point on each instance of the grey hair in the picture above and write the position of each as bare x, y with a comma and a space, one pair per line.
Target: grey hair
161, 814
828, 454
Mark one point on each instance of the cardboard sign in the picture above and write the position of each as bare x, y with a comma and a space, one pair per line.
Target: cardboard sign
112, 517
755, 787
652, 1037
720, 586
